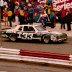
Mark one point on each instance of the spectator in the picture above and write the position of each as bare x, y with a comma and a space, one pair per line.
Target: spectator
49, 2
52, 18
25, 16
21, 16
36, 17
30, 13
44, 18
39, 8
5, 4
63, 14
48, 10
22, 4
10, 17
16, 4
11, 6
5, 15
68, 20
16, 12
2, 9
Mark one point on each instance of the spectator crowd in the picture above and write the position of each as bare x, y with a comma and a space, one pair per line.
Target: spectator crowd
23, 12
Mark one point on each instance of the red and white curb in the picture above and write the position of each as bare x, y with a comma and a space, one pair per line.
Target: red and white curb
36, 56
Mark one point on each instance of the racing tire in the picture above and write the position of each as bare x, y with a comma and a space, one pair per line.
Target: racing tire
46, 39
12, 37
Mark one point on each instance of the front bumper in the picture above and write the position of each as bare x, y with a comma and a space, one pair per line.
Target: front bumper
5, 35
62, 39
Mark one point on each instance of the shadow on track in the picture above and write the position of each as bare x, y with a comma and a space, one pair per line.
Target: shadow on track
33, 41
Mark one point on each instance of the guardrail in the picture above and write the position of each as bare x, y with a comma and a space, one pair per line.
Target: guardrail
36, 56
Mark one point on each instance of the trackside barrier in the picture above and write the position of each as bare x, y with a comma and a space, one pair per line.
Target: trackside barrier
36, 56
44, 54
11, 51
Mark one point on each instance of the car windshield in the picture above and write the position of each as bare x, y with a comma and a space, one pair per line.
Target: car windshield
17, 27
39, 28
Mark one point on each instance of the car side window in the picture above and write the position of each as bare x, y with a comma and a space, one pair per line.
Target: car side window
28, 28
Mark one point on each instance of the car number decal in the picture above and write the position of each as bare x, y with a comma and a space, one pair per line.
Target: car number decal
27, 36
19, 33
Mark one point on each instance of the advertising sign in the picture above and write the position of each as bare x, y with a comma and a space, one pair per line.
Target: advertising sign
59, 4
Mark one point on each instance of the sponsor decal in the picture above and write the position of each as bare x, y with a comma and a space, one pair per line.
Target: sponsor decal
59, 4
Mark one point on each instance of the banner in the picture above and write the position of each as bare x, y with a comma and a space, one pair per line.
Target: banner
59, 4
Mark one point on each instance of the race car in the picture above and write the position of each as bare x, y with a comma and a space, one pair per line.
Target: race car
31, 32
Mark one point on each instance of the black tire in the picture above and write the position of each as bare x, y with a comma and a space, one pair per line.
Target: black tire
12, 37
46, 39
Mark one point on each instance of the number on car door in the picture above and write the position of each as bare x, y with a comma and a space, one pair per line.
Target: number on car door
27, 32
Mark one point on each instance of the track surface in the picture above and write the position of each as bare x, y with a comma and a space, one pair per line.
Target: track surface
7, 66
10, 66
64, 48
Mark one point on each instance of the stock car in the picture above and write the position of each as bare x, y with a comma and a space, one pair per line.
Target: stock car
30, 32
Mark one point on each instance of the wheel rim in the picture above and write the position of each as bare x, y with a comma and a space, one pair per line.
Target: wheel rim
46, 40
12, 38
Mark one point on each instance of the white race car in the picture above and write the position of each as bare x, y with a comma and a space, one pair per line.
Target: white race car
30, 32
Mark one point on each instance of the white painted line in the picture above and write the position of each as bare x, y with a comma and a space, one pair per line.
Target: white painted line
35, 59
3, 71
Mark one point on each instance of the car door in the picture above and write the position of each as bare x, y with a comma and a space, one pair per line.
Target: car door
19, 32
28, 32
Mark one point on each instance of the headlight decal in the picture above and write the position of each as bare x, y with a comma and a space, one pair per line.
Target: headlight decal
53, 38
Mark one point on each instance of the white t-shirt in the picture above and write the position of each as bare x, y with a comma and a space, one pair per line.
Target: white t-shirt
1, 2
5, 4
43, 15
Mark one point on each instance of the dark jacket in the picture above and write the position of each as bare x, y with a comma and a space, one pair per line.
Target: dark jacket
68, 18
